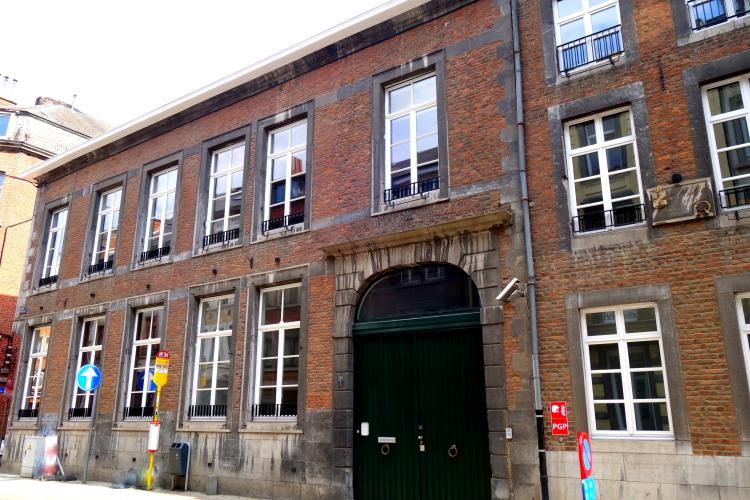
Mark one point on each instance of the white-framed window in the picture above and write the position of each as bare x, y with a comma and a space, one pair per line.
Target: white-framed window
726, 106
626, 380
277, 369
107, 225
211, 376
707, 13
37, 367
603, 171
141, 394
160, 217
587, 31
411, 138
4, 124
286, 161
55, 241
743, 316
89, 353
225, 190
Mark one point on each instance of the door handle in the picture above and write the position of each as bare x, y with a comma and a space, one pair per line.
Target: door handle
453, 451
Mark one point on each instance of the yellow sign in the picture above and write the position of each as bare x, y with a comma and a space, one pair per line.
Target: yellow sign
161, 368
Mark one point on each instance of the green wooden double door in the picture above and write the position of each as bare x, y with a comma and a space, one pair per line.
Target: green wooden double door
425, 391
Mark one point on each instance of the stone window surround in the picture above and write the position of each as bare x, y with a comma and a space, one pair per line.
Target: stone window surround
686, 35
265, 126
256, 284
660, 294
727, 289
45, 214
133, 305
27, 329
97, 189
240, 135
549, 40
147, 172
195, 295
633, 96
431, 63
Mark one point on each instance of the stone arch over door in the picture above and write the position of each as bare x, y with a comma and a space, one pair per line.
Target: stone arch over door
356, 267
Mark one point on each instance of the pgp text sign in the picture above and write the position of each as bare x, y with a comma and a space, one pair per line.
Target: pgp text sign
558, 411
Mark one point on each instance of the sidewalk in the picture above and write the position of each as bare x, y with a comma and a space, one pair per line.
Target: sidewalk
18, 488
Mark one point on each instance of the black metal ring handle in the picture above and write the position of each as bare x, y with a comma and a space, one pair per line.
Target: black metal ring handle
453, 451
385, 449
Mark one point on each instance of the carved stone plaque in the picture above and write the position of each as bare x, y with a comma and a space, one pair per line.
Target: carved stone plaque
688, 200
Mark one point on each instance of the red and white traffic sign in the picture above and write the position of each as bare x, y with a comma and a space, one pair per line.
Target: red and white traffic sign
558, 410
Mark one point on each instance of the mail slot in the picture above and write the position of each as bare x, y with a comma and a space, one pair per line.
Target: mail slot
386, 440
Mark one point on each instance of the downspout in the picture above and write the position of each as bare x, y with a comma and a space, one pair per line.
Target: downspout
531, 279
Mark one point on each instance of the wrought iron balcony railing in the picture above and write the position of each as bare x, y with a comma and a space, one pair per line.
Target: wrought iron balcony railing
47, 281
207, 411
735, 197
596, 221
285, 221
155, 253
79, 413
415, 188
137, 412
28, 413
101, 267
600, 46
270, 410
707, 13
222, 237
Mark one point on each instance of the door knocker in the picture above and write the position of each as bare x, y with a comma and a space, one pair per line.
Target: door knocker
453, 451
385, 449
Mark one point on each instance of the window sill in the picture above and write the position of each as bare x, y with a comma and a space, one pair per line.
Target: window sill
281, 232
638, 444
25, 424
407, 203
135, 266
132, 425
272, 427
589, 69
97, 276
718, 29
218, 247
75, 425
46, 289
612, 237
204, 426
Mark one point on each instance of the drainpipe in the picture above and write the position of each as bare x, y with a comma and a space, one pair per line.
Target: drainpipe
531, 279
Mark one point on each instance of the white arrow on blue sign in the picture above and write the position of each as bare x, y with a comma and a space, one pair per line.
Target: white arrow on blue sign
88, 377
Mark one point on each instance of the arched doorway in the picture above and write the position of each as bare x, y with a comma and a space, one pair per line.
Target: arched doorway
420, 418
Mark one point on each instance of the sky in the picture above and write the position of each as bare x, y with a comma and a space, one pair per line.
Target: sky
124, 59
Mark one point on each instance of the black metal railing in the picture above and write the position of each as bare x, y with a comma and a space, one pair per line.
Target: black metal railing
599, 46
596, 221
48, 281
707, 13
156, 253
222, 237
420, 187
735, 197
28, 413
271, 410
137, 412
285, 221
75, 413
102, 266
207, 411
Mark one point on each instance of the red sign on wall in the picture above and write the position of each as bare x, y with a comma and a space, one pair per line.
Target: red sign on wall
558, 410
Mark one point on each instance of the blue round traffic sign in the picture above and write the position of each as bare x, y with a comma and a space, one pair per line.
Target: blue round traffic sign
89, 377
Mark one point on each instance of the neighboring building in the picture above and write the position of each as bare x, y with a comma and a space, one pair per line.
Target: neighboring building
28, 135
639, 173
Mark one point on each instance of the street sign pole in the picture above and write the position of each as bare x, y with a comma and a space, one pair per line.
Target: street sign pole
88, 443
88, 379
161, 368
152, 452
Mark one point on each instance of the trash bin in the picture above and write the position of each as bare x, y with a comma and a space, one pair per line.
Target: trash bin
179, 462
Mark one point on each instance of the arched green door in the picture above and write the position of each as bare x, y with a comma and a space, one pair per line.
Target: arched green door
419, 389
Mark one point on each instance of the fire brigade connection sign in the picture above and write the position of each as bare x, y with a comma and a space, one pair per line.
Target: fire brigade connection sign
558, 410
588, 487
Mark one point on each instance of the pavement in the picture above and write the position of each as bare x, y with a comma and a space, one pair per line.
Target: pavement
18, 488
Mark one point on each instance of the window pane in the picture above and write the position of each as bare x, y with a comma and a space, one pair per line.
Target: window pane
607, 386
218, 209
400, 183
141, 356
278, 192
268, 372
604, 357
735, 162
568, 7
616, 126
222, 375
400, 156
585, 165
236, 185
225, 317
651, 417
399, 99
270, 344
299, 134
428, 171
298, 187
620, 158
400, 129
220, 397
235, 204
268, 396
291, 304
610, 416
427, 121
220, 186
644, 354
278, 168
205, 375
622, 185
298, 162
731, 133
238, 156
222, 161
424, 91
427, 149
209, 315
588, 192
582, 134
725, 98
224, 348
572, 31
746, 309
280, 141
298, 207
640, 320
648, 385
604, 19
203, 397
289, 396
271, 307
291, 342
206, 350
291, 370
